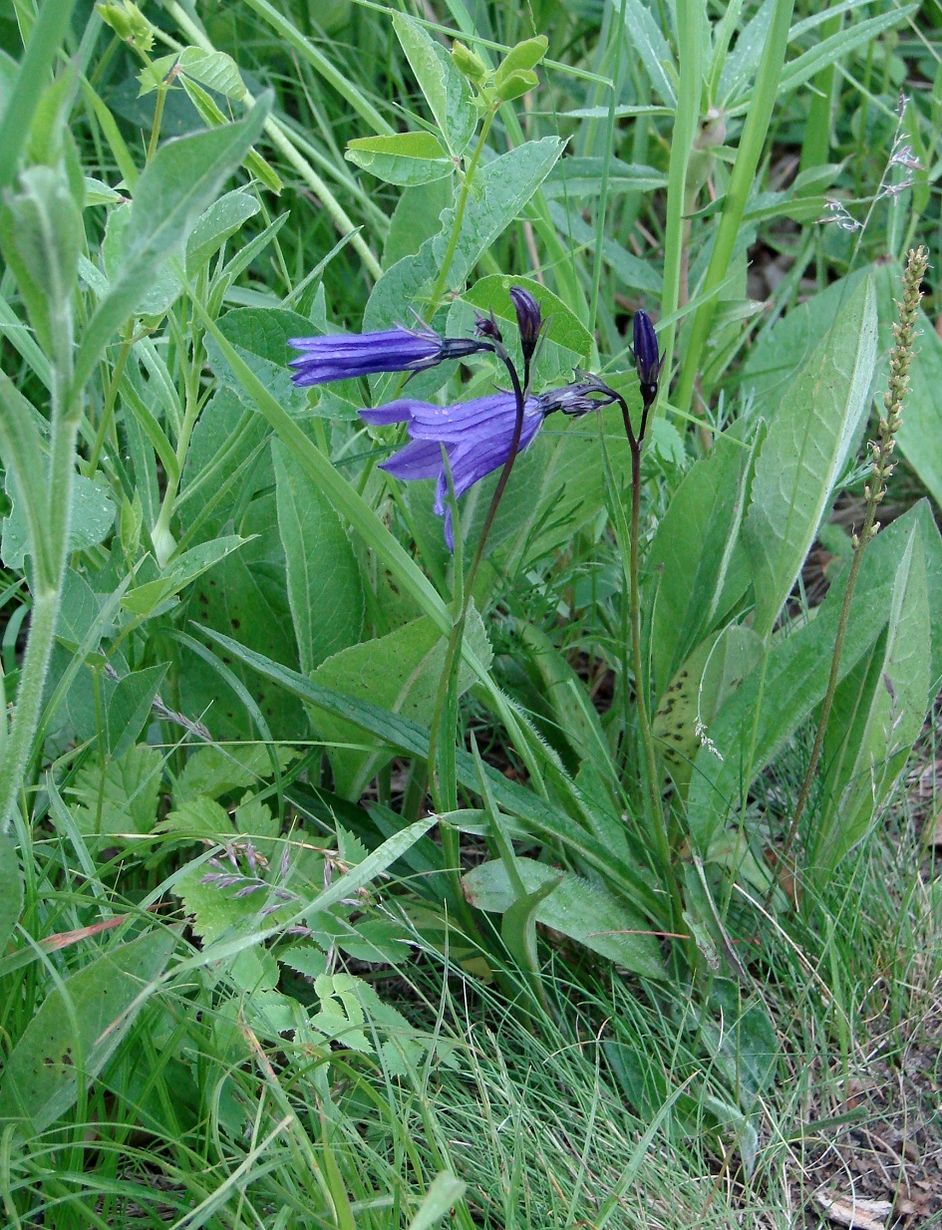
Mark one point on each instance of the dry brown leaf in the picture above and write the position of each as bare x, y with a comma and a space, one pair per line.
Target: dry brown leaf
855, 1214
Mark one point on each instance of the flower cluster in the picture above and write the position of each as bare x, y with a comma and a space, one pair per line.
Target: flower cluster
462, 443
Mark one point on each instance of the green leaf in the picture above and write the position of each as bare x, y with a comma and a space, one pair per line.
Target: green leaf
502, 188
41, 235
774, 700
415, 219
516, 84
325, 590
77, 1029
260, 338
562, 326
246, 594
117, 794
217, 771
876, 721
707, 678
221, 220
399, 671
446, 90
129, 708
582, 910
542, 818
583, 176
406, 158
770, 363
90, 520
697, 567
810, 438
180, 572
521, 57
443, 1194
181, 180
649, 45
214, 69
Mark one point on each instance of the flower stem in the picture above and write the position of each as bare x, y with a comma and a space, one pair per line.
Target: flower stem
650, 772
442, 733
441, 281
881, 449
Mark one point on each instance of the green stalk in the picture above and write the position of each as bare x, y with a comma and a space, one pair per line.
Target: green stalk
441, 281
683, 139
741, 181
49, 563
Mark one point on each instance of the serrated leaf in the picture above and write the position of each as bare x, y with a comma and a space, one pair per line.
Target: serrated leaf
217, 771
117, 795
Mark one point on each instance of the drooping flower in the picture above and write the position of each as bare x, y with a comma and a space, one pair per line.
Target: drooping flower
476, 437
647, 357
345, 355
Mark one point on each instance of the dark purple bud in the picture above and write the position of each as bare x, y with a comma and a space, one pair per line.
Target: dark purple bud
529, 320
647, 357
486, 326
576, 399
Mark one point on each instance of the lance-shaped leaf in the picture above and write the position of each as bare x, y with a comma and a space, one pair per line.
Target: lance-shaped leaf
810, 437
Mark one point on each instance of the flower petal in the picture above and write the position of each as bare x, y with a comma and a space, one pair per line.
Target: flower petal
400, 411
419, 459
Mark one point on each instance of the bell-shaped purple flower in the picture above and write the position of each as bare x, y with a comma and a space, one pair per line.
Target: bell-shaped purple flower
476, 437
345, 355
647, 357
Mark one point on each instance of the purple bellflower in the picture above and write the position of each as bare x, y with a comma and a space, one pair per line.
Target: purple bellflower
476, 436
647, 357
345, 355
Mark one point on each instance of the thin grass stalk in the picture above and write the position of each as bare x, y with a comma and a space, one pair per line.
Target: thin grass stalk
683, 137
741, 182
882, 468
280, 137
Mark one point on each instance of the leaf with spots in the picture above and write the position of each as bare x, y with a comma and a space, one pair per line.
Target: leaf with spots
78, 1027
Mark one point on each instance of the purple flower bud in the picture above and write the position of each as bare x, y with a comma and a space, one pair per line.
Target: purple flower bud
343, 356
577, 399
486, 326
529, 320
647, 357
